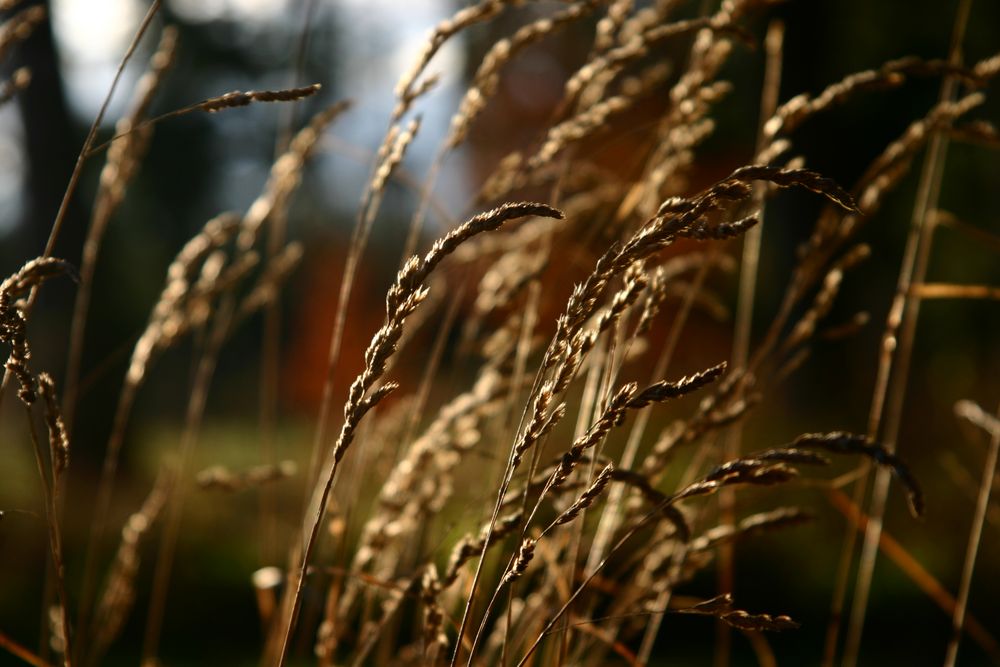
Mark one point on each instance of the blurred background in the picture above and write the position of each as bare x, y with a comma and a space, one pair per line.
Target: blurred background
202, 164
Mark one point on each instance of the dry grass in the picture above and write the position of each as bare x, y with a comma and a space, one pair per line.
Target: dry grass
535, 515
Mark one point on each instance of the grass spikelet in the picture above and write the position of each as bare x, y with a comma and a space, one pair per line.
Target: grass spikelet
167, 321
408, 88
524, 556
611, 24
286, 173
118, 594
588, 497
13, 320
802, 178
58, 438
793, 113
230, 100
722, 608
434, 639
841, 442
396, 148
401, 300
764, 521
487, 77
635, 283
663, 391
239, 98
740, 471
469, 547
220, 478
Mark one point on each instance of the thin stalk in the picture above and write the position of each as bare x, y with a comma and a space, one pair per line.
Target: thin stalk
520, 363
71, 389
590, 577
611, 516
897, 344
74, 178
55, 538
508, 474
653, 627
593, 400
975, 536
370, 203
189, 440
18, 651
102, 502
270, 377
752, 242
270, 371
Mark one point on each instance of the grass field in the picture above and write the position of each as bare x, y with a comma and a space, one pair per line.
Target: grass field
703, 370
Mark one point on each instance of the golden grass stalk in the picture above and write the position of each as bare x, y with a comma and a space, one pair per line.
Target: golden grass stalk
123, 160
606, 66
524, 556
952, 291
470, 546
186, 305
402, 299
976, 531
588, 497
169, 318
204, 371
14, 318
408, 88
21, 652
230, 100
916, 572
13, 332
570, 345
662, 277
59, 448
793, 113
74, 180
50, 244
118, 596
740, 471
743, 326
487, 77
630, 398
419, 481
610, 25
897, 344
286, 173
390, 155
721, 607
220, 478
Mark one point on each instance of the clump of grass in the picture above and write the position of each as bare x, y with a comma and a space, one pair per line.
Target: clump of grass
502, 522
